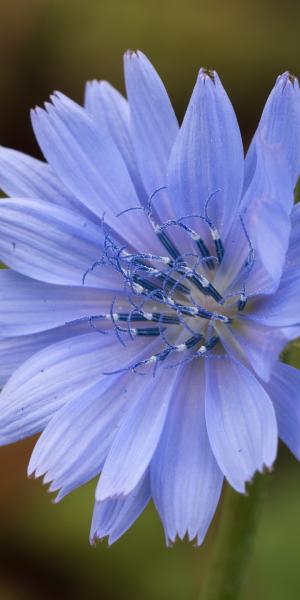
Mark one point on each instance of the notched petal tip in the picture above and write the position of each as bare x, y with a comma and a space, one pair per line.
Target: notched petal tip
267, 469
59, 97
206, 74
61, 101
31, 474
35, 111
131, 54
191, 537
136, 56
48, 106
57, 498
287, 78
33, 469
97, 538
93, 541
102, 83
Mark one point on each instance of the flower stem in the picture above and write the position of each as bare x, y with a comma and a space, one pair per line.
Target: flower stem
235, 541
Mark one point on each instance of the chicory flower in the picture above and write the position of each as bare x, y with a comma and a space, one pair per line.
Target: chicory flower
152, 281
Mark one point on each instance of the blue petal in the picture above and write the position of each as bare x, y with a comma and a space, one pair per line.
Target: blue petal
208, 156
28, 306
186, 481
39, 388
290, 333
74, 445
234, 272
282, 308
137, 438
24, 176
247, 341
110, 111
293, 255
89, 164
154, 124
16, 350
268, 203
52, 244
240, 420
284, 391
113, 517
279, 124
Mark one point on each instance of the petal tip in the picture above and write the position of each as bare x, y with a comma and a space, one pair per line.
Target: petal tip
287, 79
130, 54
207, 75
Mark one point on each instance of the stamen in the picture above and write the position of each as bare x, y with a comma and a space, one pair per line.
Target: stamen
194, 236
242, 301
173, 284
204, 314
251, 256
201, 282
212, 342
165, 278
205, 252
201, 353
97, 263
248, 265
139, 283
161, 356
144, 331
148, 316
164, 239
153, 278
116, 327
218, 244
214, 231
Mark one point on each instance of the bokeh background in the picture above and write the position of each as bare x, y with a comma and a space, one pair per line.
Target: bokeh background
58, 44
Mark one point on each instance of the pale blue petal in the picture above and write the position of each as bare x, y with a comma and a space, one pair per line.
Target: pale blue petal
290, 333
282, 308
28, 306
293, 255
110, 111
40, 387
112, 518
247, 341
74, 445
234, 273
284, 391
52, 244
154, 124
280, 124
16, 350
268, 203
137, 438
240, 420
23, 176
186, 481
89, 164
207, 156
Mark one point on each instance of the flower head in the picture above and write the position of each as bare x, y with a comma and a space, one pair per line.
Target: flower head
153, 280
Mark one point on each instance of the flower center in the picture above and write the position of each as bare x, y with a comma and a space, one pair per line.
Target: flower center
170, 296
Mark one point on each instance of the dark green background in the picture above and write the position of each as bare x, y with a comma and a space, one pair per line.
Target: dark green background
58, 44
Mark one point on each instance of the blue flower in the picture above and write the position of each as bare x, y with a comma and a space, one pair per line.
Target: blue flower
153, 280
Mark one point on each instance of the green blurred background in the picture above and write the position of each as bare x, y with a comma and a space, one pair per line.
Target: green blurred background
58, 44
